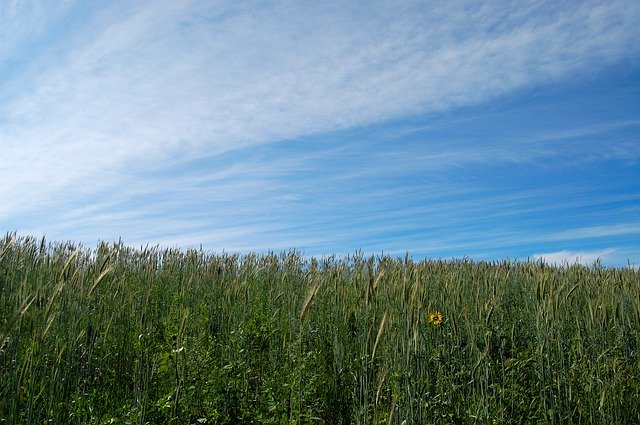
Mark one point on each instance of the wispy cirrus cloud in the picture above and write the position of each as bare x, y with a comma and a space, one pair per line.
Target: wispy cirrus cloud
141, 82
214, 122
23, 22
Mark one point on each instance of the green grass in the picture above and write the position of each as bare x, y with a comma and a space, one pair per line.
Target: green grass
124, 336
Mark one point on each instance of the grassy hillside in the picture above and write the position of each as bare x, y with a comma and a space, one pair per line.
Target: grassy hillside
117, 335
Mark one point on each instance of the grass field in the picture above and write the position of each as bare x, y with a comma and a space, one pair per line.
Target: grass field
118, 335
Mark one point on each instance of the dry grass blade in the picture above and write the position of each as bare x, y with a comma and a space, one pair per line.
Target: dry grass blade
99, 279
380, 330
381, 380
392, 410
571, 292
67, 264
7, 246
58, 288
377, 280
21, 311
309, 300
50, 319
489, 313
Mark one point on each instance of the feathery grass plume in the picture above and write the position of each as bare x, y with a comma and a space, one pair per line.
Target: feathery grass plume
376, 282
380, 330
4, 336
8, 243
309, 300
99, 279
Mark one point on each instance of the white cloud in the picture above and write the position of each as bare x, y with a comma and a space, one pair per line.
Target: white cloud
135, 86
593, 232
563, 258
23, 20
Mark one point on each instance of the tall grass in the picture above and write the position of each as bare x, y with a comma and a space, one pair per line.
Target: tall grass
118, 335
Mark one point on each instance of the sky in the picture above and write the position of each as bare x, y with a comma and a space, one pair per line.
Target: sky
487, 130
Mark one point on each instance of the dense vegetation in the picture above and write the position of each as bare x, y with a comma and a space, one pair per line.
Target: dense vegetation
118, 335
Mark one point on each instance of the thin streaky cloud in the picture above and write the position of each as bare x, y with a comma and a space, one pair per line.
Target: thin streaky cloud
327, 126
222, 94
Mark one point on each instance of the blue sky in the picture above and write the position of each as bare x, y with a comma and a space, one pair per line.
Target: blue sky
444, 129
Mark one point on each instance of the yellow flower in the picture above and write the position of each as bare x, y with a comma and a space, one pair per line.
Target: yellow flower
435, 318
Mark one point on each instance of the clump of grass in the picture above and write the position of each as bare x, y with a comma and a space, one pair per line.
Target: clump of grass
120, 335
